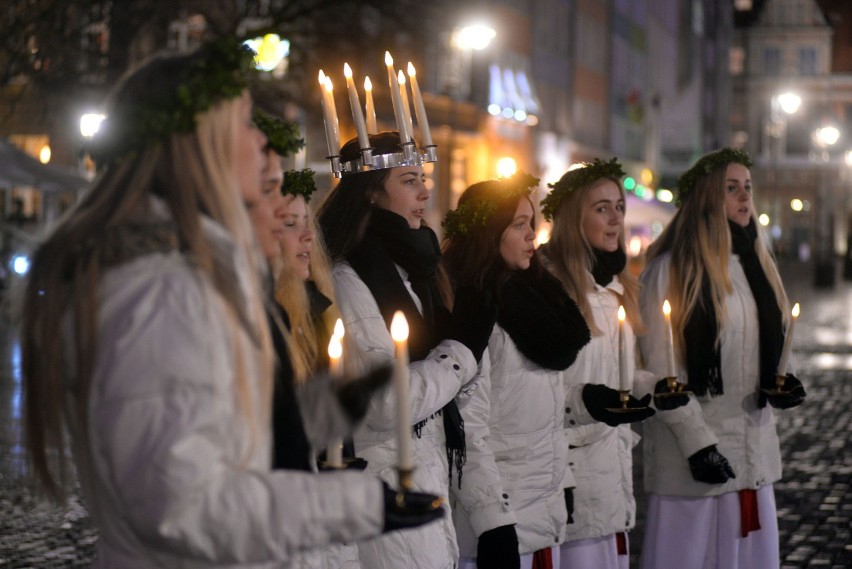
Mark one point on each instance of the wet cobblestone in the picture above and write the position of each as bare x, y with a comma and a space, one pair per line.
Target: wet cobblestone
814, 499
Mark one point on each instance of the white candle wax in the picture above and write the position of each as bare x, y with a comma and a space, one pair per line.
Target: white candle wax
419, 108
670, 362
406, 107
399, 333
788, 342
623, 379
372, 127
334, 452
395, 98
332, 135
355, 103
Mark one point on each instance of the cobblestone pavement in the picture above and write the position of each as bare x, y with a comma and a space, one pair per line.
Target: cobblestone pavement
814, 499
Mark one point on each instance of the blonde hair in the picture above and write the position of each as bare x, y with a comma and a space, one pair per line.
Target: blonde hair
699, 241
571, 258
309, 337
194, 175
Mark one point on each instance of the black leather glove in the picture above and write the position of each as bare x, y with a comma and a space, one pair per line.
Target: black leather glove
569, 504
709, 466
598, 398
794, 394
498, 549
669, 402
354, 395
474, 314
415, 509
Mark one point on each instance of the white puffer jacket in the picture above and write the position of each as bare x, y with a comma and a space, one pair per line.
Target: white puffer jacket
434, 381
173, 478
743, 433
600, 455
518, 472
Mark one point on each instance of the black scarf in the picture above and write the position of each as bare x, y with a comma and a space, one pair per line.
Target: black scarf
389, 241
702, 357
543, 321
607, 265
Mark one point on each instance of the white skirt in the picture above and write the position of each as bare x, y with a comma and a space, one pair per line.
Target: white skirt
597, 552
526, 560
705, 533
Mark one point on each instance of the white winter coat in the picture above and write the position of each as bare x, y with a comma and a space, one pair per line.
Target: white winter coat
518, 472
600, 455
173, 479
434, 381
743, 433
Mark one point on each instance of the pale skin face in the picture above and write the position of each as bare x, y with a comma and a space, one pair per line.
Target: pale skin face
517, 245
267, 212
298, 237
738, 196
405, 194
249, 158
603, 216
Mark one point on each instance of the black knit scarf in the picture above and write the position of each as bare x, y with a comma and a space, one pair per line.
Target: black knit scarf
607, 265
703, 360
543, 321
389, 241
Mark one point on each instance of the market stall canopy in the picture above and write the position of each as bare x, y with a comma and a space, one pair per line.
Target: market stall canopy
17, 168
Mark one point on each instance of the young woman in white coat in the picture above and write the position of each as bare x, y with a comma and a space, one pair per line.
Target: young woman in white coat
386, 259
144, 334
510, 511
710, 464
586, 252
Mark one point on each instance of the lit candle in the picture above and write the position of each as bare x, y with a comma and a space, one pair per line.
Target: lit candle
788, 342
372, 128
399, 333
334, 452
395, 98
406, 108
355, 103
329, 113
670, 362
623, 380
419, 108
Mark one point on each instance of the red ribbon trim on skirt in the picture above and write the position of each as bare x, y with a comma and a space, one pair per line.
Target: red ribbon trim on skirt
749, 519
621, 543
543, 559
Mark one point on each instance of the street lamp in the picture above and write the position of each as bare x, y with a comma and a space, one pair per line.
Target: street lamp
823, 138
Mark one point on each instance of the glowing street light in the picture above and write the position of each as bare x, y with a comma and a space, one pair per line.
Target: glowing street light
827, 135
789, 102
476, 37
90, 123
506, 167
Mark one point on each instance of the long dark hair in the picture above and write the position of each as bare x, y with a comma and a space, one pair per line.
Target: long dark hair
344, 213
473, 259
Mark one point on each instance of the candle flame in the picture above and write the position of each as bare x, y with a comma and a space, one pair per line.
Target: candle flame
321, 77
621, 314
388, 59
328, 86
411, 71
400, 77
338, 328
347, 71
796, 310
335, 347
399, 327
667, 308
368, 85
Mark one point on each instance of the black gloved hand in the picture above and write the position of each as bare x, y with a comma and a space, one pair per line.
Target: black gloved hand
709, 466
569, 504
474, 314
670, 401
498, 549
415, 509
794, 394
598, 398
354, 395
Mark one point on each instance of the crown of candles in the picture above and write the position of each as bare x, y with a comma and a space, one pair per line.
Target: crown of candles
408, 155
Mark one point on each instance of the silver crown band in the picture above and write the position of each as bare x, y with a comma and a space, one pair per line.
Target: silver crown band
408, 157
